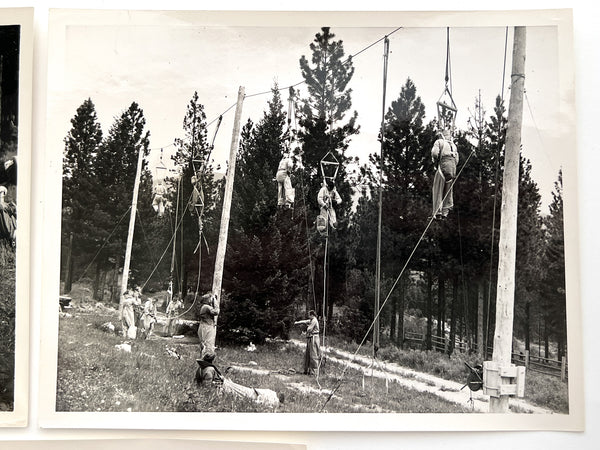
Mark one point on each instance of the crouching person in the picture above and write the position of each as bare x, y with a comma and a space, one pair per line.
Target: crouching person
208, 374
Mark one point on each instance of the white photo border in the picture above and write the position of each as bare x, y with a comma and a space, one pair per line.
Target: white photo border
573, 421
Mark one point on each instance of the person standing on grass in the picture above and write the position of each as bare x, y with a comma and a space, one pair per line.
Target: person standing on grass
207, 330
149, 316
172, 313
128, 314
312, 356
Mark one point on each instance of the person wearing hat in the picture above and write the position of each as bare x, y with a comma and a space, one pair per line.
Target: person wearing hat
207, 330
312, 356
326, 197
445, 155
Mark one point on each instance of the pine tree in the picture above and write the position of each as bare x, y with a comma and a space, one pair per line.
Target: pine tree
554, 284
79, 181
267, 256
192, 157
529, 248
322, 131
116, 165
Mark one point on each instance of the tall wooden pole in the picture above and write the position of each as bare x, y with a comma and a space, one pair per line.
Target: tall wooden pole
69, 276
505, 296
136, 187
222, 245
386, 47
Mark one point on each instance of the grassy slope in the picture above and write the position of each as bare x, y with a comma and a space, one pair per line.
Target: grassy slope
94, 376
7, 327
540, 389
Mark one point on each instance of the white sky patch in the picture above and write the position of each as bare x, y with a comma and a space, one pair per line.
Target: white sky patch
160, 67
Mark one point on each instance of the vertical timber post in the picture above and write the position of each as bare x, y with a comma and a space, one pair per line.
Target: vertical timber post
376, 332
69, 275
505, 296
225, 214
136, 187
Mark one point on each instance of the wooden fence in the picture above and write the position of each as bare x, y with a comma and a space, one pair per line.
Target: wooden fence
546, 366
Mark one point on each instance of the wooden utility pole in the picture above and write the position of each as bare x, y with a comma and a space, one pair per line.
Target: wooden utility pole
505, 296
386, 50
222, 245
136, 187
69, 275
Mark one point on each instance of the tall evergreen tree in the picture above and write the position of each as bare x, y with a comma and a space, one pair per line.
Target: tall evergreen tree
554, 292
192, 158
267, 257
322, 131
116, 165
79, 181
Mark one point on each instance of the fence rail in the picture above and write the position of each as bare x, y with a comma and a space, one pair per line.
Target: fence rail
548, 366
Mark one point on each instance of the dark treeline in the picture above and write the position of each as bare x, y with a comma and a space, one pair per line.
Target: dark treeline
274, 264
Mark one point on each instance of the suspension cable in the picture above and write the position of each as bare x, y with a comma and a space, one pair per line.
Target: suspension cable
103, 245
431, 219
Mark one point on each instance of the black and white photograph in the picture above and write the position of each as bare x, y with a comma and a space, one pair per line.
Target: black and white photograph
15, 128
334, 220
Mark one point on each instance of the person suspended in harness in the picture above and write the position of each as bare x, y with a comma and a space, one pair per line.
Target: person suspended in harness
207, 330
285, 192
158, 203
197, 194
327, 196
312, 356
444, 153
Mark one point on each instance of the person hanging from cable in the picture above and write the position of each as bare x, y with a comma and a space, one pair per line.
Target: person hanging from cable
197, 193
327, 196
285, 191
312, 356
445, 155
207, 330
158, 203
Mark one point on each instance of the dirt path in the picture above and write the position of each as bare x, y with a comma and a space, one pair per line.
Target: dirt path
422, 382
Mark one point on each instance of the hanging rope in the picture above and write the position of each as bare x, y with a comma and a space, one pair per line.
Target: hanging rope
292, 127
103, 245
431, 219
173, 236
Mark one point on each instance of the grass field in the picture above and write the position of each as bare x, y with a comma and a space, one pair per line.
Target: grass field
94, 375
7, 327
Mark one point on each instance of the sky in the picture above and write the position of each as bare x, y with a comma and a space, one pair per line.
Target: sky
160, 67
